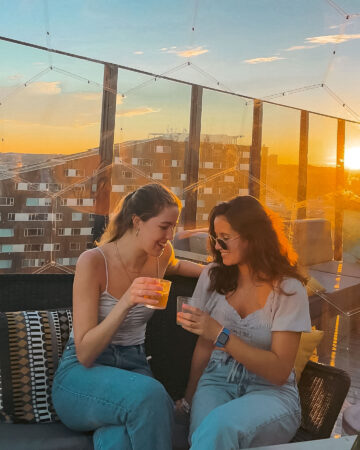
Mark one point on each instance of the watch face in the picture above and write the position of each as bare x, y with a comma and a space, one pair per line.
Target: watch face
223, 338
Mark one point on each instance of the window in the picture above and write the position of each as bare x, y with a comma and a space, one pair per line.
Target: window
32, 262
5, 248
11, 216
38, 216
74, 172
5, 263
6, 201
67, 261
76, 217
56, 247
74, 245
33, 201
127, 174
34, 247
166, 162
89, 245
60, 231
75, 231
21, 186
6, 232
29, 232
92, 217
58, 216
163, 149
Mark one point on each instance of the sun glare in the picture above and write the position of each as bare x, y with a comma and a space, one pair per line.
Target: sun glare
352, 158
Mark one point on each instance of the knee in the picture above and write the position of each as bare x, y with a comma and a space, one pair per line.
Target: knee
216, 429
152, 394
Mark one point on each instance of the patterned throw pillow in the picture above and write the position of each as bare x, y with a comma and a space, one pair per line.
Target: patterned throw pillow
31, 344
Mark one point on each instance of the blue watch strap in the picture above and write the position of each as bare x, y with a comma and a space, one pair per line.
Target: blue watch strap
222, 338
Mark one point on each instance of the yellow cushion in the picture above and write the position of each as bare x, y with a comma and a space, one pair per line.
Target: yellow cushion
313, 286
308, 343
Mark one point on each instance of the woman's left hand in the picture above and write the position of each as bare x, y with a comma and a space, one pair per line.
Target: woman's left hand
199, 322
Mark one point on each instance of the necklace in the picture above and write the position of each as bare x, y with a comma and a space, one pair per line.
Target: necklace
123, 265
133, 271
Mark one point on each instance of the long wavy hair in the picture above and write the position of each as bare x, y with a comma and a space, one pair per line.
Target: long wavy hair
270, 256
146, 202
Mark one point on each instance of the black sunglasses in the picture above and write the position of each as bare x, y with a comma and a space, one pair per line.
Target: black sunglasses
221, 242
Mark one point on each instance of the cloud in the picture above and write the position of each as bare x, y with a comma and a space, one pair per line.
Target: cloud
89, 96
44, 88
186, 53
16, 77
263, 60
138, 53
332, 39
137, 112
299, 47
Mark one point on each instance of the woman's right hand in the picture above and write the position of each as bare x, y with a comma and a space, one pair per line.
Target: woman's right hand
143, 290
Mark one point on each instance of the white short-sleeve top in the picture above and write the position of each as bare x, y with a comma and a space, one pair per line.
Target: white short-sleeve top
280, 313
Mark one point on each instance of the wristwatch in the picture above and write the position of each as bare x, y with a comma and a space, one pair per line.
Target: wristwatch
222, 338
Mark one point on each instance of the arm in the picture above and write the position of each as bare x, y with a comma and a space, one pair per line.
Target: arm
274, 365
201, 355
181, 267
91, 337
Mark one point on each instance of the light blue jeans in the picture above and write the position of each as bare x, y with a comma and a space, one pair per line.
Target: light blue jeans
233, 408
117, 397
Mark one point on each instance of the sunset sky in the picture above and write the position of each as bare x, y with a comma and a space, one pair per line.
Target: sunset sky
256, 48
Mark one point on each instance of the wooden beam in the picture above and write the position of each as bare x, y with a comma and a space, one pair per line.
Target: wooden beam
303, 164
339, 207
106, 149
255, 151
192, 151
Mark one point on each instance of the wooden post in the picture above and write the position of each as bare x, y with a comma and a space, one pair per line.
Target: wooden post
303, 164
106, 148
339, 208
255, 151
192, 151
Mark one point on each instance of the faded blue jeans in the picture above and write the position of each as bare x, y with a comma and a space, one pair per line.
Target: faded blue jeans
117, 397
233, 408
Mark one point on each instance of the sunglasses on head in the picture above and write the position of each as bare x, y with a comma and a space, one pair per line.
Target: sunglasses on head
222, 242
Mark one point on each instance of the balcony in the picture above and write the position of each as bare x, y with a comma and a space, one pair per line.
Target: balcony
78, 133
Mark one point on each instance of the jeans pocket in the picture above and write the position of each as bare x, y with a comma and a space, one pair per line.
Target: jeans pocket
211, 365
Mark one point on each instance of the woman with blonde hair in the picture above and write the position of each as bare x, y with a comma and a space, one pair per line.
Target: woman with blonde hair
104, 382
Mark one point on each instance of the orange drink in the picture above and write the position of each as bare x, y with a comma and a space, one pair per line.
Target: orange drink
166, 284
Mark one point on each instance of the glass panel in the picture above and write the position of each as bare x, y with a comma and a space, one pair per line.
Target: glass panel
280, 159
49, 127
151, 134
321, 174
226, 132
351, 229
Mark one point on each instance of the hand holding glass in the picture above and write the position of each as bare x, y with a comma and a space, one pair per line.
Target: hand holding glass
166, 284
180, 301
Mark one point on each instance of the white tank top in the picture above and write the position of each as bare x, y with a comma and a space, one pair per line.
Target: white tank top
132, 329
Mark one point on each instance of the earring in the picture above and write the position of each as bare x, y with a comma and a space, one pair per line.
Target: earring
137, 232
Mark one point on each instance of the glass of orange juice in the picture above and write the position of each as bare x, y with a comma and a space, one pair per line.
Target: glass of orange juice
166, 284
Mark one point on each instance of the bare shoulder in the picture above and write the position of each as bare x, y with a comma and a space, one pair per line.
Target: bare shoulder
89, 260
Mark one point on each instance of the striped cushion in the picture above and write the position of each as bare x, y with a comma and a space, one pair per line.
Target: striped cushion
31, 344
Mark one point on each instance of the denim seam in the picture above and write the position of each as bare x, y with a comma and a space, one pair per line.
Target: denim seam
276, 419
91, 397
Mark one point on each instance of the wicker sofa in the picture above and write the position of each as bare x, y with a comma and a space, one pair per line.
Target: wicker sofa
322, 388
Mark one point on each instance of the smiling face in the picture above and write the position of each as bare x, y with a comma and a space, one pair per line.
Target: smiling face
157, 231
236, 251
